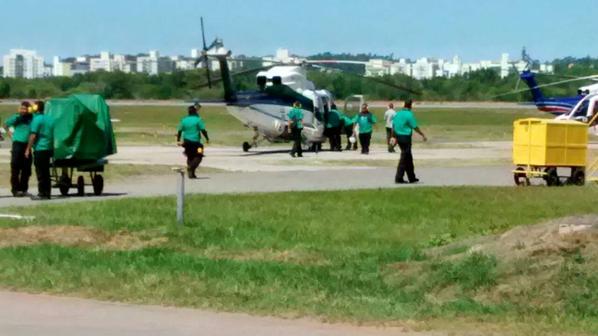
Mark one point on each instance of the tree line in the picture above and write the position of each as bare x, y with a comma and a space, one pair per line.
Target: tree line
475, 86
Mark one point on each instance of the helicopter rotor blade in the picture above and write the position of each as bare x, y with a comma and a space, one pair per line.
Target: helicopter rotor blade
372, 79
205, 56
592, 77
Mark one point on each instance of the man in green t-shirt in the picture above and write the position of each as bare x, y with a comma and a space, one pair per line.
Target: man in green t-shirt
403, 125
190, 129
41, 141
333, 126
365, 121
20, 166
295, 125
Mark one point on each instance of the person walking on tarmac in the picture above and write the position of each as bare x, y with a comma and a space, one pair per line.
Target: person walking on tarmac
20, 166
365, 121
295, 124
334, 129
403, 125
41, 142
191, 128
388, 116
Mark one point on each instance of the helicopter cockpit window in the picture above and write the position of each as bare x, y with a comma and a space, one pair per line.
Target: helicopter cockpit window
582, 110
261, 82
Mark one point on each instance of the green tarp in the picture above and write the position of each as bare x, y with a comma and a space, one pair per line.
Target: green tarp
82, 128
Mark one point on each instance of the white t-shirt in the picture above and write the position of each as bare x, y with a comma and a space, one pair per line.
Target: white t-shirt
388, 115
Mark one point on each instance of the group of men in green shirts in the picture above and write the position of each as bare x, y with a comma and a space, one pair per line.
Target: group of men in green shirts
32, 141
402, 124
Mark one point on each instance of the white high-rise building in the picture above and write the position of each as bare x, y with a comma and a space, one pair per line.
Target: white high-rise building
154, 64
21, 63
377, 67
61, 69
104, 62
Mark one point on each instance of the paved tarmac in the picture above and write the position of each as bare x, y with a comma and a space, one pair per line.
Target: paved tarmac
298, 180
35, 315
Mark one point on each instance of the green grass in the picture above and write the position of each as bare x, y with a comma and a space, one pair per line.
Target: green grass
328, 254
157, 124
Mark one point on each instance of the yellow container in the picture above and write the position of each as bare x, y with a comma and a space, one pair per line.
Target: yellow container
549, 142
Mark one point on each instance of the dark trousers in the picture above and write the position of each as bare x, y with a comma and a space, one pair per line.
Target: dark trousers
41, 159
194, 153
388, 136
364, 141
20, 168
334, 136
406, 161
296, 137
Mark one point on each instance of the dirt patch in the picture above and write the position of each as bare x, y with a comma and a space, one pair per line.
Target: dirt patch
541, 266
69, 235
549, 239
299, 257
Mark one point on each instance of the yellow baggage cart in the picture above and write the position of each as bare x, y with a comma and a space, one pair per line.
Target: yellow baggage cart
542, 146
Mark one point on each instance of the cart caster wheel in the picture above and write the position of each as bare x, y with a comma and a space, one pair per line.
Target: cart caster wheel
98, 184
521, 179
64, 185
80, 186
578, 177
551, 177
246, 146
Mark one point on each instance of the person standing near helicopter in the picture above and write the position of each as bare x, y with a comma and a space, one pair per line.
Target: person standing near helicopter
191, 128
365, 121
333, 125
295, 125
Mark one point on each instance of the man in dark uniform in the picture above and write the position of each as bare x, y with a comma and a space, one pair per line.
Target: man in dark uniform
295, 124
403, 125
334, 124
41, 141
20, 166
190, 128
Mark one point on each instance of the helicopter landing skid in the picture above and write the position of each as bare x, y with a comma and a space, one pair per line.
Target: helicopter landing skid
254, 141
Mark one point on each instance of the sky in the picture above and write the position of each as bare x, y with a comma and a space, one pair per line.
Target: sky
472, 29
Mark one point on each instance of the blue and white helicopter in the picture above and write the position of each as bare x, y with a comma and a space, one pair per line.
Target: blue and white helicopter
278, 86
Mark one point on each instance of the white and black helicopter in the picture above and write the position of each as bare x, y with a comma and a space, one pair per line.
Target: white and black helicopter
278, 87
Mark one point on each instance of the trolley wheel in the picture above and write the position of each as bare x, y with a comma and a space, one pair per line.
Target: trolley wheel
98, 184
578, 177
64, 184
551, 177
521, 178
246, 146
80, 186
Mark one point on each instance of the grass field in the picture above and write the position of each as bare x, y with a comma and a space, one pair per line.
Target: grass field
157, 124
350, 255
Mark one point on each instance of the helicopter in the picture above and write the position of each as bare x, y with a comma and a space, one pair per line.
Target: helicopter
554, 105
278, 86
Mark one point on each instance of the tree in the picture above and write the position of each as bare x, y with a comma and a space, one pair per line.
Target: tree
4, 90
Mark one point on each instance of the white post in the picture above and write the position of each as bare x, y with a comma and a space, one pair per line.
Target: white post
180, 200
